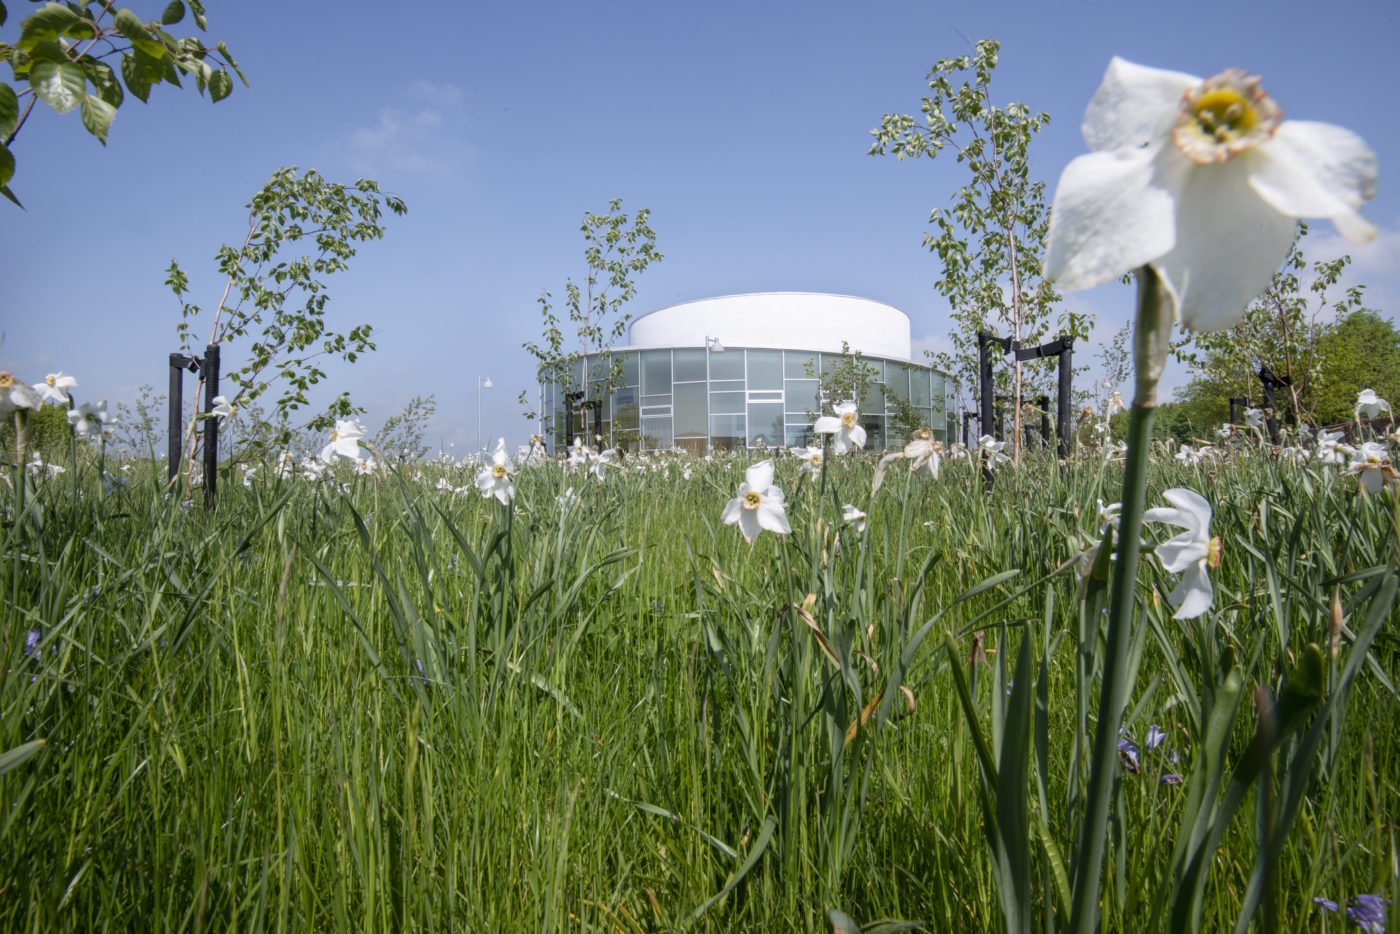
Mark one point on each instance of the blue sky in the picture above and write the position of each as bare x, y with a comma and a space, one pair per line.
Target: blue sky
743, 127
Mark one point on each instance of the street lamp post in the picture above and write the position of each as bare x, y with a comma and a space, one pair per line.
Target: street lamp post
482, 382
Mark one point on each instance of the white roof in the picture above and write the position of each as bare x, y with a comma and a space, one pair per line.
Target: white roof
788, 320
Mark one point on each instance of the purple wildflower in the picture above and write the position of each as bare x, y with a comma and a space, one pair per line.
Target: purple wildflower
1155, 737
1327, 903
1128, 752
1368, 913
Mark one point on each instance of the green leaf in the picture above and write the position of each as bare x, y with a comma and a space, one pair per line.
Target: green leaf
4, 14
7, 165
19, 755
220, 85
139, 74
9, 110
97, 116
46, 24
5, 190
174, 12
60, 86
130, 25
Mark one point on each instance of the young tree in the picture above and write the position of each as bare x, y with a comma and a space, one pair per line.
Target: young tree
401, 436
618, 249
991, 239
65, 49
1283, 331
277, 293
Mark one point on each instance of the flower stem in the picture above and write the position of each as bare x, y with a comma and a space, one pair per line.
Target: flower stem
1153, 329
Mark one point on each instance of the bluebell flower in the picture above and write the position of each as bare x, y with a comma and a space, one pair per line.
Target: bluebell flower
1368, 913
1170, 778
31, 643
1128, 752
1155, 737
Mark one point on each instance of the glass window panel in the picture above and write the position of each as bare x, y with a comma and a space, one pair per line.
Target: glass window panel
874, 426
726, 385
690, 364
656, 400
919, 385
765, 369
727, 365
897, 380
656, 434
599, 366
874, 401
796, 365
624, 409
766, 424
656, 372
691, 412
693, 445
726, 432
801, 396
799, 435
629, 369
727, 402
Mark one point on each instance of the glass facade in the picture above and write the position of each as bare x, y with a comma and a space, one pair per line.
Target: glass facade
743, 397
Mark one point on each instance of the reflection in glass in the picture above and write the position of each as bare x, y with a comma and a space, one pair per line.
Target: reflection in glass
656, 372
726, 432
690, 410
765, 369
689, 363
766, 424
727, 365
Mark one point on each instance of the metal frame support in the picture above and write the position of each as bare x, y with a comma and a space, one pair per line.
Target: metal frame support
1236, 407
1061, 347
1271, 382
208, 367
967, 417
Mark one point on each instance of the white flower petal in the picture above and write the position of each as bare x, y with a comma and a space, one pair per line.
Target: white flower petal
1191, 503
1180, 553
1194, 594
1114, 211
858, 436
732, 511
1229, 242
1134, 104
748, 524
759, 476
772, 517
826, 424
1315, 170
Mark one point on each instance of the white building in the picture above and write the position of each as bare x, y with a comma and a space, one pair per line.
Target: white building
742, 371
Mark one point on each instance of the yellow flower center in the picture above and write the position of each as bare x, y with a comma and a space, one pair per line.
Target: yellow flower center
848, 420
1225, 115
50, 380
1214, 553
7, 379
817, 460
498, 471
752, 500
333, 434
925, 434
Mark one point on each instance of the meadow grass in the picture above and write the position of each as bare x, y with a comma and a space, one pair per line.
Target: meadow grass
397, 707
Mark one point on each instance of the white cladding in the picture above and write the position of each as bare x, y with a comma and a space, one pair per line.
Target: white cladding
790, 320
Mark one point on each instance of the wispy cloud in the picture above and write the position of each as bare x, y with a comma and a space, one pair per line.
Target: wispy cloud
423, 135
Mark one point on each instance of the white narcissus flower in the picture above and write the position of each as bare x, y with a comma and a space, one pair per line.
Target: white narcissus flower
853, 515
90, 418
344, 440
494, 479
1115, 404
1253, 418
605, 460
16, 395
1369, 405
223, 410
364, 468
1202, 179
759, 504
55, 388
922, 450
1189, 553
811, 456
991, 449
843, 425
1329, 448
249, 475
1371, 462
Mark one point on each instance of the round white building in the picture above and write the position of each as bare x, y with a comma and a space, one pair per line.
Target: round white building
743, 371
